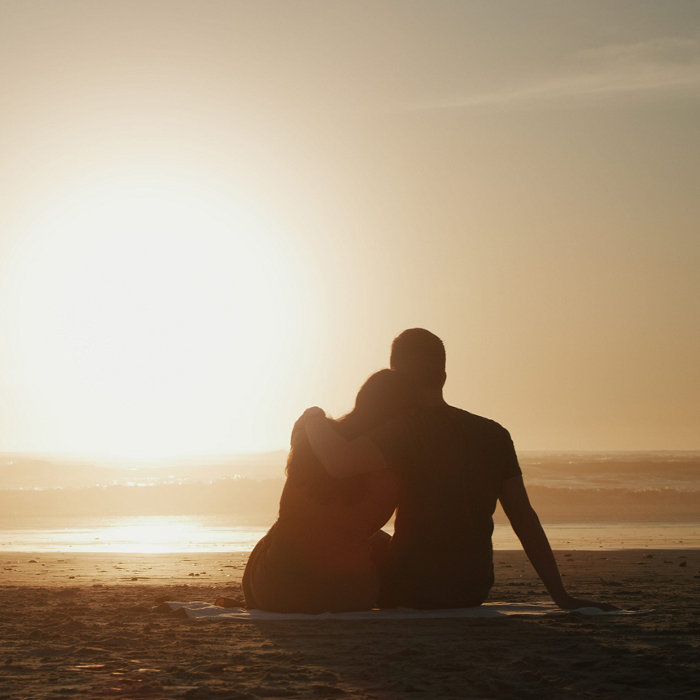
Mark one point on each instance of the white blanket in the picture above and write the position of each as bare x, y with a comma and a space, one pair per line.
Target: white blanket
200, 610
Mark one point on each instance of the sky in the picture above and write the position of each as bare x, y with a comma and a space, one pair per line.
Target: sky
215, 214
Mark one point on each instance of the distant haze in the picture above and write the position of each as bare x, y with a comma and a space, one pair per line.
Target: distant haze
216, 214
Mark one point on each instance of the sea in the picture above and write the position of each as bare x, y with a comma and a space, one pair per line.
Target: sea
179, 534
591, 501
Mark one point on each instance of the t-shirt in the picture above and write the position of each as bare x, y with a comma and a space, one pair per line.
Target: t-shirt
451, 464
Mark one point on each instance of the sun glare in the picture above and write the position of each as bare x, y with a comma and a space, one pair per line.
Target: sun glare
153, 309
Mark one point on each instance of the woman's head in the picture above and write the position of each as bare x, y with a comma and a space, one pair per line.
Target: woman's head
384, 395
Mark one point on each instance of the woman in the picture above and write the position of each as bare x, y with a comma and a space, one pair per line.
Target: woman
320, 555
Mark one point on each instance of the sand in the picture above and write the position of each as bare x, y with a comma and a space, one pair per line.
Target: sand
85, 626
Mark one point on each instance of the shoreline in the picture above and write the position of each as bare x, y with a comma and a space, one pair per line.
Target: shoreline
184, 534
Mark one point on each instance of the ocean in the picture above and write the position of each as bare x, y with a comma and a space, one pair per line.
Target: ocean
585, 500
173, 534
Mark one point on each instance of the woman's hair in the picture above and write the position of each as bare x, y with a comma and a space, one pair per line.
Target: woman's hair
385, 395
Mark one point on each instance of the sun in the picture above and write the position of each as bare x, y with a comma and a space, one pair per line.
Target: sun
155, 313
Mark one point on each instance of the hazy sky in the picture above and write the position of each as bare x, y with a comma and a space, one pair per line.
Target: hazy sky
214, 214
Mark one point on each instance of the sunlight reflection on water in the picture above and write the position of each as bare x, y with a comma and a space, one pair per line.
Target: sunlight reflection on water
171, 534
133, 535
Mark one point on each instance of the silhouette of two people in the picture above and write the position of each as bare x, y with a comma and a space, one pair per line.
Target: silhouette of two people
401, 447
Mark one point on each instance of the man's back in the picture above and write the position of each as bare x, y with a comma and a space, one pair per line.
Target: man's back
451, 465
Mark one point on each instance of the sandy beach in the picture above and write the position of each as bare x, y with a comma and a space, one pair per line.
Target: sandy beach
91, 626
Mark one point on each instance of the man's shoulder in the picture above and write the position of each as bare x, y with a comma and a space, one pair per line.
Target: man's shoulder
478, 424
490, 441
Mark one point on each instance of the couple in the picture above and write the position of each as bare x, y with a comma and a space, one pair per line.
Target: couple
401, 447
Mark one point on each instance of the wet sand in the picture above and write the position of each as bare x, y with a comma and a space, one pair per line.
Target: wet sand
91, 626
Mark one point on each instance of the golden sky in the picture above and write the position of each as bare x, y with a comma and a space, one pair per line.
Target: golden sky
214, 214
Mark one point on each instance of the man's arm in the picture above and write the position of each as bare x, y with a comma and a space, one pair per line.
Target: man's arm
340, 457
527, 527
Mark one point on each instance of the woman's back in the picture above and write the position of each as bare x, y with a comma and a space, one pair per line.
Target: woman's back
347, 510
318, 555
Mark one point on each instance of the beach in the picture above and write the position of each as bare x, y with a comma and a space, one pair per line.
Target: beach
331, 267
93, 625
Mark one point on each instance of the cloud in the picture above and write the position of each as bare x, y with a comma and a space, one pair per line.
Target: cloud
657, 65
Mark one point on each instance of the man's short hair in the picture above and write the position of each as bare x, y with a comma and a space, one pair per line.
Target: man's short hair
419, 353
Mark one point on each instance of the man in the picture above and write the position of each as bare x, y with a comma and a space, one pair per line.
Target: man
453, 466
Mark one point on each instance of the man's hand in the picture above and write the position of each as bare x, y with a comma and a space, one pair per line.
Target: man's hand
529, 530
313, 412
570, 603
340, 458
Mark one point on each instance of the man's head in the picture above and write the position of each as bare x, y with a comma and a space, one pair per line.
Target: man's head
420, 354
